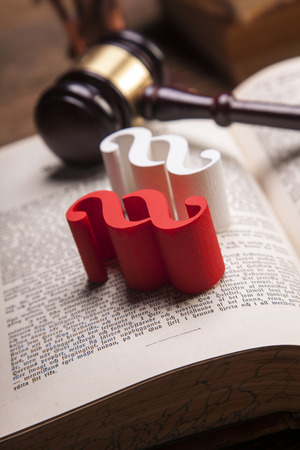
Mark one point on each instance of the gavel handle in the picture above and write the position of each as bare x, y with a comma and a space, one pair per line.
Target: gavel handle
165, 103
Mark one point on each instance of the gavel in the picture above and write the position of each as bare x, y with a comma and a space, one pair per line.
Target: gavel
122, 78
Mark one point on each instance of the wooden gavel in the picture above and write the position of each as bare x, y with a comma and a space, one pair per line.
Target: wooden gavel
122, 78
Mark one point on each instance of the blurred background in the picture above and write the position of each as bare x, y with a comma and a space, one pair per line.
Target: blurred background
209, 45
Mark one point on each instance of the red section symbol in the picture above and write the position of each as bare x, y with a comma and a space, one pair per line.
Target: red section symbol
153, 249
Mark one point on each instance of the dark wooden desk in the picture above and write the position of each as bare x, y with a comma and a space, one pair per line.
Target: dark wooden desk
33, 52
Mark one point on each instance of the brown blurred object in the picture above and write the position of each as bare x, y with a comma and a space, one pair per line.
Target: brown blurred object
239, 36
84, 21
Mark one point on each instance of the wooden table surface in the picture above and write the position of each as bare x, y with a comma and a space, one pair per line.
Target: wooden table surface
34, 51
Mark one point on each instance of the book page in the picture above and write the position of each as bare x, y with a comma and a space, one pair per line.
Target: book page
65, 342
274, 153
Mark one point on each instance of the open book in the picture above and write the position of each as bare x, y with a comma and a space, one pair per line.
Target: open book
105, 365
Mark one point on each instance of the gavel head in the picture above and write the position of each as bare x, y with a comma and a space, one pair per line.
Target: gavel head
97, 96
